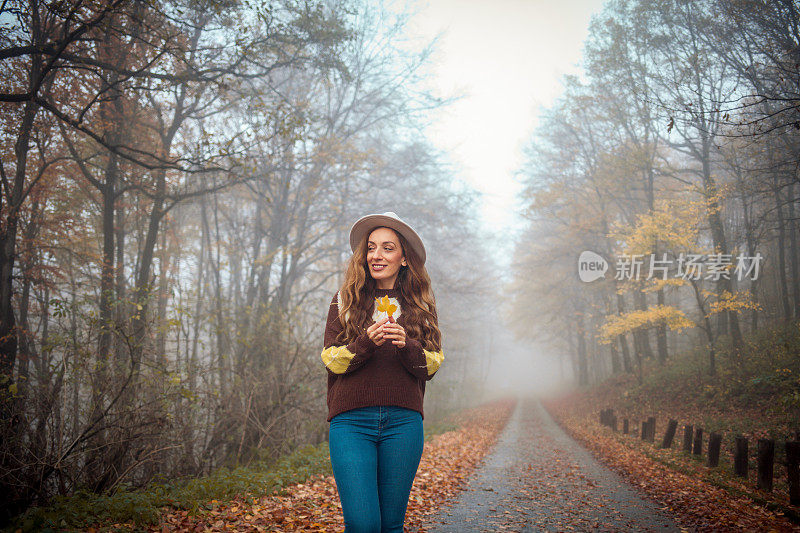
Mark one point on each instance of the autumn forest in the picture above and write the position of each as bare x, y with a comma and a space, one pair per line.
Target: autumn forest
178, 180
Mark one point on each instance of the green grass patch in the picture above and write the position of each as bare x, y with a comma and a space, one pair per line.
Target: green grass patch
143, 507
438, 427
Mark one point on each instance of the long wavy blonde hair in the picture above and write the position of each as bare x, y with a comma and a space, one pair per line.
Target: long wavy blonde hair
417, 302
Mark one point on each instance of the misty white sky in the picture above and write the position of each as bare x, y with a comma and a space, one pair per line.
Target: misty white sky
507, 58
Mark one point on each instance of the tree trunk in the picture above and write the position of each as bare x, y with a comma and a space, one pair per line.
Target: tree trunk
720, 246
793, 259
164, 257
622, 339
712, 359
8, 251
784, 284
642, 336
121, 285
583, 364
573, 353
661, 333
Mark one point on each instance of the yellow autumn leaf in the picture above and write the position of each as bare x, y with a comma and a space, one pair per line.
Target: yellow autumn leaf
385, 305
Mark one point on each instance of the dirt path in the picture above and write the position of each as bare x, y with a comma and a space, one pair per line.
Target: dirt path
538, 479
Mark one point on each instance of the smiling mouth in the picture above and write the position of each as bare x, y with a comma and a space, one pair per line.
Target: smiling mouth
378, 267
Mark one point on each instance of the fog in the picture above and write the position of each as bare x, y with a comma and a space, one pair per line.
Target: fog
523, 368
179, 180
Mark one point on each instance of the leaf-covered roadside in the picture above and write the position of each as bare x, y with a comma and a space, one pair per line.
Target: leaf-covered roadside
313, 505
684, 488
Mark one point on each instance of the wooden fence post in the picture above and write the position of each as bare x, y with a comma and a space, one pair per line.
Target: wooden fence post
714, 442
766, 458
698, 441
643, 436
625, 426
793, 471
740, 458
687, 438
670, 434
651, 429
613, 422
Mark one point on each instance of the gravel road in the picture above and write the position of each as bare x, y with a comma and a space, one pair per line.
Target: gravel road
537, 478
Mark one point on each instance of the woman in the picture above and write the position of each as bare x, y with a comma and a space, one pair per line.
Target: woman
382, 343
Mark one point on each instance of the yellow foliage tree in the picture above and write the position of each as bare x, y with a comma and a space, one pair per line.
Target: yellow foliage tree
673, 227
621, 324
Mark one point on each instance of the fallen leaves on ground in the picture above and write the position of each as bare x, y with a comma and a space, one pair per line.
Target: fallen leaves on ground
447, 461
541, 480
450, 458
697, 504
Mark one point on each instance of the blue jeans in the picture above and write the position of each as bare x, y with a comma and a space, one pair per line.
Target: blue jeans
375, 453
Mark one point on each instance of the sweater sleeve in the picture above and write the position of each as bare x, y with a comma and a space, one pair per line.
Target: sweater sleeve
343, 359
420, 362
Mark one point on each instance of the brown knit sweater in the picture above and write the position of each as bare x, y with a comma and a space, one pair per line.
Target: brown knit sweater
361, 373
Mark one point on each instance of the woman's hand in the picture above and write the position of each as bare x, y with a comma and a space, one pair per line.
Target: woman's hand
376, 332
396, 333
384, 329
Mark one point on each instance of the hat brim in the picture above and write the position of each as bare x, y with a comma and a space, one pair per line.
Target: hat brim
367, 223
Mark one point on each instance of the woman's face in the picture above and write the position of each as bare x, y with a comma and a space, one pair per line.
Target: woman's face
384, 257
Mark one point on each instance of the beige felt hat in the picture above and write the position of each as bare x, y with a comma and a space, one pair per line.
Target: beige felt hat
389, 219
